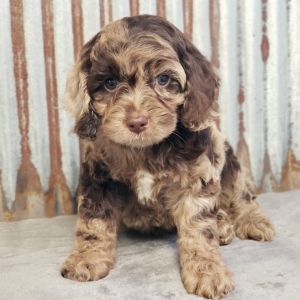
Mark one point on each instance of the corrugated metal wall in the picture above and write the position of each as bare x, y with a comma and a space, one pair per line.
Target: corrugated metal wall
254, 44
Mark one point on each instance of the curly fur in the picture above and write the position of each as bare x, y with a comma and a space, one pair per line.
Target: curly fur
177, 172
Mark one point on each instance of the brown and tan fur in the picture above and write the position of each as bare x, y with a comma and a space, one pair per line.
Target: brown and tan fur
177, 172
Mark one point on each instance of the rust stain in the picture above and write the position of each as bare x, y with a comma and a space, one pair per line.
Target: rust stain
161, 8
214, 20
290, 173
134, 7
264, 46
268, 182
105, 4
58, 195
29, 189
241, 97
77, 25
110, 14
102, 13
214, 23
242, 152
188, 18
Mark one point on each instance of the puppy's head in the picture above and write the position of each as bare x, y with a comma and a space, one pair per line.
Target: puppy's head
136, 79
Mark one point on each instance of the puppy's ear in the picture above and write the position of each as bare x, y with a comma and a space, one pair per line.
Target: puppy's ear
200, 104
86, 127
76, 99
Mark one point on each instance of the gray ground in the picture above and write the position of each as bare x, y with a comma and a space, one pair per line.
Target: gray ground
31, 252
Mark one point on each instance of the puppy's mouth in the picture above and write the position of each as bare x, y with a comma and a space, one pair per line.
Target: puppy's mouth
139, 130
139, 134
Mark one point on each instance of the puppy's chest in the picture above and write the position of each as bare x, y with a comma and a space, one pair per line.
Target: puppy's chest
147, 186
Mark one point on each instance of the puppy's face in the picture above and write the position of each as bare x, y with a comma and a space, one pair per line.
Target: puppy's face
136, 79
136, 83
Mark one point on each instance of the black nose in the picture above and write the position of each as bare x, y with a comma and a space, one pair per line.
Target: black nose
137, 124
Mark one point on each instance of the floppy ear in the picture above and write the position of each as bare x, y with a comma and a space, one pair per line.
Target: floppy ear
200, 105
202, 81
76, 99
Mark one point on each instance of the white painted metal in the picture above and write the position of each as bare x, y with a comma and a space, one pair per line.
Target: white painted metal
37, 99
277, 104
201, 27
229, 71
106, 11
91, 18
64, 59
252, 68
271, 107
148, 7
294, 71
10, 138
174, 13
120, 9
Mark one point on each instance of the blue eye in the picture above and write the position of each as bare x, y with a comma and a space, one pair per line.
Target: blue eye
111, 83
162, 79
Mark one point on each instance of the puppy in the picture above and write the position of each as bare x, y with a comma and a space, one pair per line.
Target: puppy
144, 101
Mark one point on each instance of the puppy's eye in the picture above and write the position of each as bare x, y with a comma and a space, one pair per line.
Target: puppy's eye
110, 83
162, 79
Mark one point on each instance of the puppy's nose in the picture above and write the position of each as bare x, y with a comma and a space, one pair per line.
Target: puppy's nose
137, 124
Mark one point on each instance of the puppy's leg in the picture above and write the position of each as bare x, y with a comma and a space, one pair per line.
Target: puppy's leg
249, 220
237, 200
225, 228
95, 245
203, 270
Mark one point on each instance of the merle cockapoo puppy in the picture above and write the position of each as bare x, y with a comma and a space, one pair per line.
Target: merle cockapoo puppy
144, 101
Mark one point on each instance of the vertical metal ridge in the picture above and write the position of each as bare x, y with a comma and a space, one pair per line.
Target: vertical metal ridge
229, 71
251, 94
58, 199
242, 147
277, 102
91, 19
147, 7
77, 24
161, 8
64, 59
102, 13
134, 7
120, 9
188, 18
294, 71
37, 103
291, 169
105, 12
214, 24
214, 20
267, 182
201, 27
29, 191
10, 137
175, 13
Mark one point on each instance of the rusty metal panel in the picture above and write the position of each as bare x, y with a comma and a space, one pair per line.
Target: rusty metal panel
254, 45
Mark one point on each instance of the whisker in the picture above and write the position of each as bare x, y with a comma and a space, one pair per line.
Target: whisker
175, 133
170, 142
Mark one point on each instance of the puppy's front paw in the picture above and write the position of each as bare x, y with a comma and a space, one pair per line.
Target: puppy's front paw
214, 282
86, 266
254, 225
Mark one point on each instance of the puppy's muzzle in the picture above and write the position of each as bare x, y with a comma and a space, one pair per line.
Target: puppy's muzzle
137, 124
